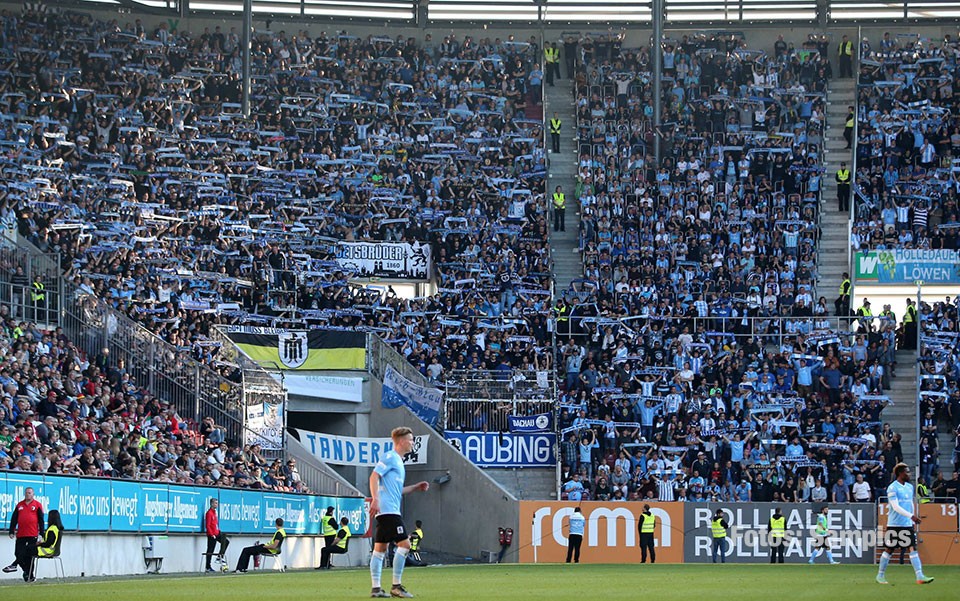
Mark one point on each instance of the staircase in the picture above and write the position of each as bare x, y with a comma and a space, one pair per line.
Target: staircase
537, 484
562, 171
903, 414
834, 249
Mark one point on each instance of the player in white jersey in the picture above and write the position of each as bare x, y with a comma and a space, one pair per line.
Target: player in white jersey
900, 520
386, 495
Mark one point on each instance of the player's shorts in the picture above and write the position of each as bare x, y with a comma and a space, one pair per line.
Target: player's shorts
821, 541
390, 529
899, 537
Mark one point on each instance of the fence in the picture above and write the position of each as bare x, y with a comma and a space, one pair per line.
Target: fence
482, 400
18, 272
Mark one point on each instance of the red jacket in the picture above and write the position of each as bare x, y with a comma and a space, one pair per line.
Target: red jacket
27, 519
212, 522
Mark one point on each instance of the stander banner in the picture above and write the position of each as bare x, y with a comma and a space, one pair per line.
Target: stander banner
350, 450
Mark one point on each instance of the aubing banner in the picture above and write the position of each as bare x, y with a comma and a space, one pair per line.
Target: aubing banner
852, 531
496, 449
301, 349
398, 261
350, 450
906, 266
423, 401
542, 422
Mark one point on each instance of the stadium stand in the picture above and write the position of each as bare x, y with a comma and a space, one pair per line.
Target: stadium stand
907, 145
697, 354
164, 200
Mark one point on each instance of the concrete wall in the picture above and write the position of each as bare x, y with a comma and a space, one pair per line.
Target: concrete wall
122, 554
461, 516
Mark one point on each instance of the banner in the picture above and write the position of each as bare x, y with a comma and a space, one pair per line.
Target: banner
301, 349
264, 426
104, 505
853, 528
348, 450
610, 534
542, 422
423, 401
906, 266
317, 386
396, 261
494, 449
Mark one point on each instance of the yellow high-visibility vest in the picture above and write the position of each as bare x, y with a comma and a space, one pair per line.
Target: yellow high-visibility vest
718, 530
552, 54
845, 287
559, 200
555, 125
343, 541
649, 523
51, 550
415, 539
328, 530
280, 534
846, 48
843, 176
850, 123
778, 527
911, 315
37, 293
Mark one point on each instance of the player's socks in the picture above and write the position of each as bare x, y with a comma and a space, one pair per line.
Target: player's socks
399, 560
917, 567
376, 568
830, 556
884, 560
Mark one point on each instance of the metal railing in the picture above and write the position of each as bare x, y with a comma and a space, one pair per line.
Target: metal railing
18, 272
484, 399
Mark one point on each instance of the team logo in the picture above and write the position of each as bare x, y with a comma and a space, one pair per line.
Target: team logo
542, 422
292, 348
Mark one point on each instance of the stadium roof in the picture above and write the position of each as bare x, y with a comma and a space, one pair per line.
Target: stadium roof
561, 12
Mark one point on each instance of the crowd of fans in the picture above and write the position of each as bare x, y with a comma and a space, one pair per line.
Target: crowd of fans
133, 160
908, 142
678, 382
939, 395
63, 413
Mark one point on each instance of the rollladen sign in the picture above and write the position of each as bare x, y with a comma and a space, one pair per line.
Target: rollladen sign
395, 261
852, 526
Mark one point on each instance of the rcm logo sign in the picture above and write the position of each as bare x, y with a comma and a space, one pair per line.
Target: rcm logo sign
610, 535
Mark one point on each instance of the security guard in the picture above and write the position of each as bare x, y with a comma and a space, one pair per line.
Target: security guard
563, 319
50, 545
777, 528
923, 492
909, 340
416, 537
846, 57
848, 127
39, 297
559, 210
551, 59
843, 187
555, 126
339, 545
328, 529
842, 304
648, 522
271, 548
718, 528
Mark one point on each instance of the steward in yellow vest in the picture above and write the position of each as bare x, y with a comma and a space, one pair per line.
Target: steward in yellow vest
777, 528
339, 545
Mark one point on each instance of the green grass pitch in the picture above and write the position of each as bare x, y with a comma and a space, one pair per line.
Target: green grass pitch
528, 582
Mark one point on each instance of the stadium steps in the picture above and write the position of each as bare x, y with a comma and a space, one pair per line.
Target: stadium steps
902, 416
834, 247
562, 171
536, 484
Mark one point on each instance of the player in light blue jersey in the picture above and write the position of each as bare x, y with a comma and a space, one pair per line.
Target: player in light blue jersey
899, 533
386, 494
